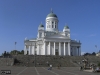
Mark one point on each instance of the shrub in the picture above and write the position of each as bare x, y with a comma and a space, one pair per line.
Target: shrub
99, 64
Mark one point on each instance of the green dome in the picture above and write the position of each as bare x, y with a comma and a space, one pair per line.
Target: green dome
52, 15
66, 27
41, 25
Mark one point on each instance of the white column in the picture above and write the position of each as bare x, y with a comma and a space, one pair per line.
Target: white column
49, 48
32, 50
59, 48
25, 50
44, 52
29, 50
38, 50
64, 49
54, 48
69, 48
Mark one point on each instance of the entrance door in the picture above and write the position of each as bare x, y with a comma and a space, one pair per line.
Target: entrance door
56, 52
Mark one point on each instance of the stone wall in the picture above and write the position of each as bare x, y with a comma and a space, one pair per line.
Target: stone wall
6, 61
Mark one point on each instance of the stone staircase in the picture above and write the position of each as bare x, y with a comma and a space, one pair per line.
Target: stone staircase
41, 61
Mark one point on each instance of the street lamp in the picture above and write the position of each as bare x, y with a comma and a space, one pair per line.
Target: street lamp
15, 45
96, 49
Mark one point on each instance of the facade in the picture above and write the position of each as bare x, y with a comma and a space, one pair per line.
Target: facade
51, 41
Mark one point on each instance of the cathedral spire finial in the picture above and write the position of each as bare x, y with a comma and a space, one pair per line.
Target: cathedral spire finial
51, 10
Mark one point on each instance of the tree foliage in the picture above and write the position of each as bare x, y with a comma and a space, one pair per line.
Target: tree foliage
17, 52
93, 54
99, 64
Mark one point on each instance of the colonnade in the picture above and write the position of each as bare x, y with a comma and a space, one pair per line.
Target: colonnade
74, 50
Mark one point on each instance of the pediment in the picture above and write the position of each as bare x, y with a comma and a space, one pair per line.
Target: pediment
56, 36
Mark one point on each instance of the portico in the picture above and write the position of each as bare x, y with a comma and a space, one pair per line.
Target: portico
54, 48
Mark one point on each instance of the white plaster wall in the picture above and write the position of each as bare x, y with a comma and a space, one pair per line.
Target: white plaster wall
44, 50
52, 48
47, 50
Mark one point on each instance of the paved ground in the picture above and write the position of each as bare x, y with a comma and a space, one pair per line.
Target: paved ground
45, 71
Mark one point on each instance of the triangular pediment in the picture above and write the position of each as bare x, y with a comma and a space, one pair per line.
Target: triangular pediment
56, 36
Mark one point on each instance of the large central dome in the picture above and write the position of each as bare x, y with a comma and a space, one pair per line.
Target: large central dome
52, 15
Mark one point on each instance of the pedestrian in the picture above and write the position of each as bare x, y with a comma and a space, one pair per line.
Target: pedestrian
50, 68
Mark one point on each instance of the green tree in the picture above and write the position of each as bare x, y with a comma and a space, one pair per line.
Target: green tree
14, 52
99, 64
22, 52
93, 53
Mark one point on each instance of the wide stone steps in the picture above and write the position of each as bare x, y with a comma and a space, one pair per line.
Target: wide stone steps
40, 61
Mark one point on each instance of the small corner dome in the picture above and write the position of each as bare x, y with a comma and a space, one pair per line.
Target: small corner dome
41, 25
66, 27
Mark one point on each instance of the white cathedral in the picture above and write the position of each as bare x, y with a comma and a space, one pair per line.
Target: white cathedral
51, 41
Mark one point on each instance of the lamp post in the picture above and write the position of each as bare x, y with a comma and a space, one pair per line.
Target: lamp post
96, 49
35, 55
15, 45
